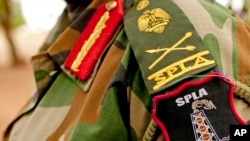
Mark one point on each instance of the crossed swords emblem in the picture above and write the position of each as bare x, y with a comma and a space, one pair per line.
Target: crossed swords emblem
170, 49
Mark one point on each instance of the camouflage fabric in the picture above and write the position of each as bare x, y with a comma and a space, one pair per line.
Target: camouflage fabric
49, 77
118, 104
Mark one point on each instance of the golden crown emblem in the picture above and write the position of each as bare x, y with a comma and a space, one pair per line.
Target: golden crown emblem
153, 21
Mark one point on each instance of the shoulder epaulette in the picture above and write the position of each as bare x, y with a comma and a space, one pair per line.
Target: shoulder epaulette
167, 47
94, 40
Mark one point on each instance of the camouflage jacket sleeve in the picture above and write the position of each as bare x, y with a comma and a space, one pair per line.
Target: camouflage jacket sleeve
158, 47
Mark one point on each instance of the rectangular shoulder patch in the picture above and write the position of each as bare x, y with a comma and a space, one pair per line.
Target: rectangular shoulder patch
167, 47
94, 39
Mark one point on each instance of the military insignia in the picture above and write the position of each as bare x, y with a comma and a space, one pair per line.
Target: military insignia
94, 39
203, 130
173, 52
168, 73
153, 21
195, 108
142, 4
88, 43
170, 49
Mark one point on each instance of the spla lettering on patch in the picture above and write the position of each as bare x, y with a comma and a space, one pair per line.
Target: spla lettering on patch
169, 49
199, 110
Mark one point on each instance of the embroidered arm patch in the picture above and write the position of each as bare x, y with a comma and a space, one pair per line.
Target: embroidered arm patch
200, 110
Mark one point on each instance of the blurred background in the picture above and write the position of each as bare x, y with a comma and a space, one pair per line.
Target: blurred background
24, 26
23, 29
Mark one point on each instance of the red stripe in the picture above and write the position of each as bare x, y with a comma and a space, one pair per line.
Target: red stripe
95, 52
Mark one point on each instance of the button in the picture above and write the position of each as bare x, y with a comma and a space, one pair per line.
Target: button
111, 5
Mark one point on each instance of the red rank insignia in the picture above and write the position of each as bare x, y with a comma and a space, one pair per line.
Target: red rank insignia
199, 110
94, 39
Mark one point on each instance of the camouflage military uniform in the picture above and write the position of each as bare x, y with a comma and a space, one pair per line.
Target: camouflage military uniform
164, 46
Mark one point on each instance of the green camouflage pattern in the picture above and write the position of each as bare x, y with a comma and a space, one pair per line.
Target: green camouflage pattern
117, 105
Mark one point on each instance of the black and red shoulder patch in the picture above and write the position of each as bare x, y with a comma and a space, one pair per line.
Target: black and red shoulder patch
199, 110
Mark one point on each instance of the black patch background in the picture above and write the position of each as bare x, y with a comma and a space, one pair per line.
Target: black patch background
177, 120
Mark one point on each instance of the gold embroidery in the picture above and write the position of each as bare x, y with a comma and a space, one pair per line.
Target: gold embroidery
168, 50
142, 4
153, 21
188, 48
179, 68
91, 40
